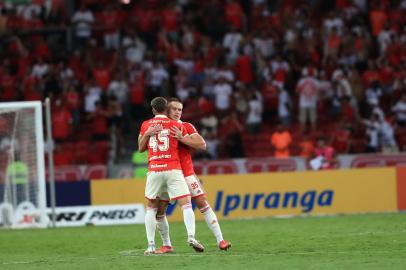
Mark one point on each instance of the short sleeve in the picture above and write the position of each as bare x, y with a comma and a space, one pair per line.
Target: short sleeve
184, 131
144, 128
190, 129
181, 127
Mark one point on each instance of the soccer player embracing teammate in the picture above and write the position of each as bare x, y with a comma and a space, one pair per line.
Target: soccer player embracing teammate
164, 172
190, 140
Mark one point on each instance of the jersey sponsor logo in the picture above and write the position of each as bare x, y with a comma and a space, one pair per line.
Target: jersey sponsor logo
159, 165
227, 203
156, 121
160, 157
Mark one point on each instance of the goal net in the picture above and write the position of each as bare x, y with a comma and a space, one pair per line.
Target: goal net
22, 171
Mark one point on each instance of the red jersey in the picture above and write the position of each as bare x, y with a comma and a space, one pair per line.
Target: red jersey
184, 151
328, 153
61, 119
162, 147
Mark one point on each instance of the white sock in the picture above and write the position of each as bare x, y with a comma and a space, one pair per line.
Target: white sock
150, 225
212, 222
163, 229
189, 219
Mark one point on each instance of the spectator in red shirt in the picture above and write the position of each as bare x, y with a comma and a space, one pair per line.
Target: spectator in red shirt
111, 24
42, 50
98, 120
386, 76
348, 111
169, 20
77, 65
62, 156
101, 74
281, 140
73, 103
8, 85
323, 156
61, 122
371, 75
243, 68
31, 86
377, 17
230, 135
115, 122
145, 19
306, 145
332, 45
342, 139
234, 14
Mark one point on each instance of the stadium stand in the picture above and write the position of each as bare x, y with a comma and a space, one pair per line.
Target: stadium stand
218, 57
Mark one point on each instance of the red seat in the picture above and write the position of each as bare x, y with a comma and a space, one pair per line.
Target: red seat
99, 152
82, 148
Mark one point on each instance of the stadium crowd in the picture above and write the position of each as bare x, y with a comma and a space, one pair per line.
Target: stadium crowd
256, 77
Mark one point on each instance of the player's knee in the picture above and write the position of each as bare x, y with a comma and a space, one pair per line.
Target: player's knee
152, 203
184, 201
161, 211
160, 217
201, 202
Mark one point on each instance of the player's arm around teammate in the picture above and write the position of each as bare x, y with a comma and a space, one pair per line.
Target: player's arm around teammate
194, 141
144, 139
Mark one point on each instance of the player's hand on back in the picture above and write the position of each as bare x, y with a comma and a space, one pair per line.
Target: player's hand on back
152, 130
176, 132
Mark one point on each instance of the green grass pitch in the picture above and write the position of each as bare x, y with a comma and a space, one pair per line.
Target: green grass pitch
373, 241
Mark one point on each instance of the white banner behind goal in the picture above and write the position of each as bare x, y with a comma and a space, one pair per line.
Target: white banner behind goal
22, 169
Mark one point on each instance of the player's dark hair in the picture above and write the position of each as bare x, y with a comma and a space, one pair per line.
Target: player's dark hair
159, 104
173, 99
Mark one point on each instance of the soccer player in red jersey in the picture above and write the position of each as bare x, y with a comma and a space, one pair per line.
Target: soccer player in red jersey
164, 172
192, 140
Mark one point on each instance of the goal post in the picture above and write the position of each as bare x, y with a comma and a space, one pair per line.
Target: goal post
22, 166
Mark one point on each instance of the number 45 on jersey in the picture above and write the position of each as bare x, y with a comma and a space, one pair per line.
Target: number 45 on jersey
160, 141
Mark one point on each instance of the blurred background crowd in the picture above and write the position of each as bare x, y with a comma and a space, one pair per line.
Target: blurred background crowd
257, 78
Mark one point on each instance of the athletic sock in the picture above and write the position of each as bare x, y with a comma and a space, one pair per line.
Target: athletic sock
212, 222
150, 225
163, 229
189, 219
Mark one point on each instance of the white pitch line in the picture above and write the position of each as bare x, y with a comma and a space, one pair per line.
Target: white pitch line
229, 253
18, 262
134, 253
53, 261
357, 234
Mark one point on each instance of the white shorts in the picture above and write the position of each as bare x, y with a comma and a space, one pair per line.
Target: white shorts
194, 185
171, 182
